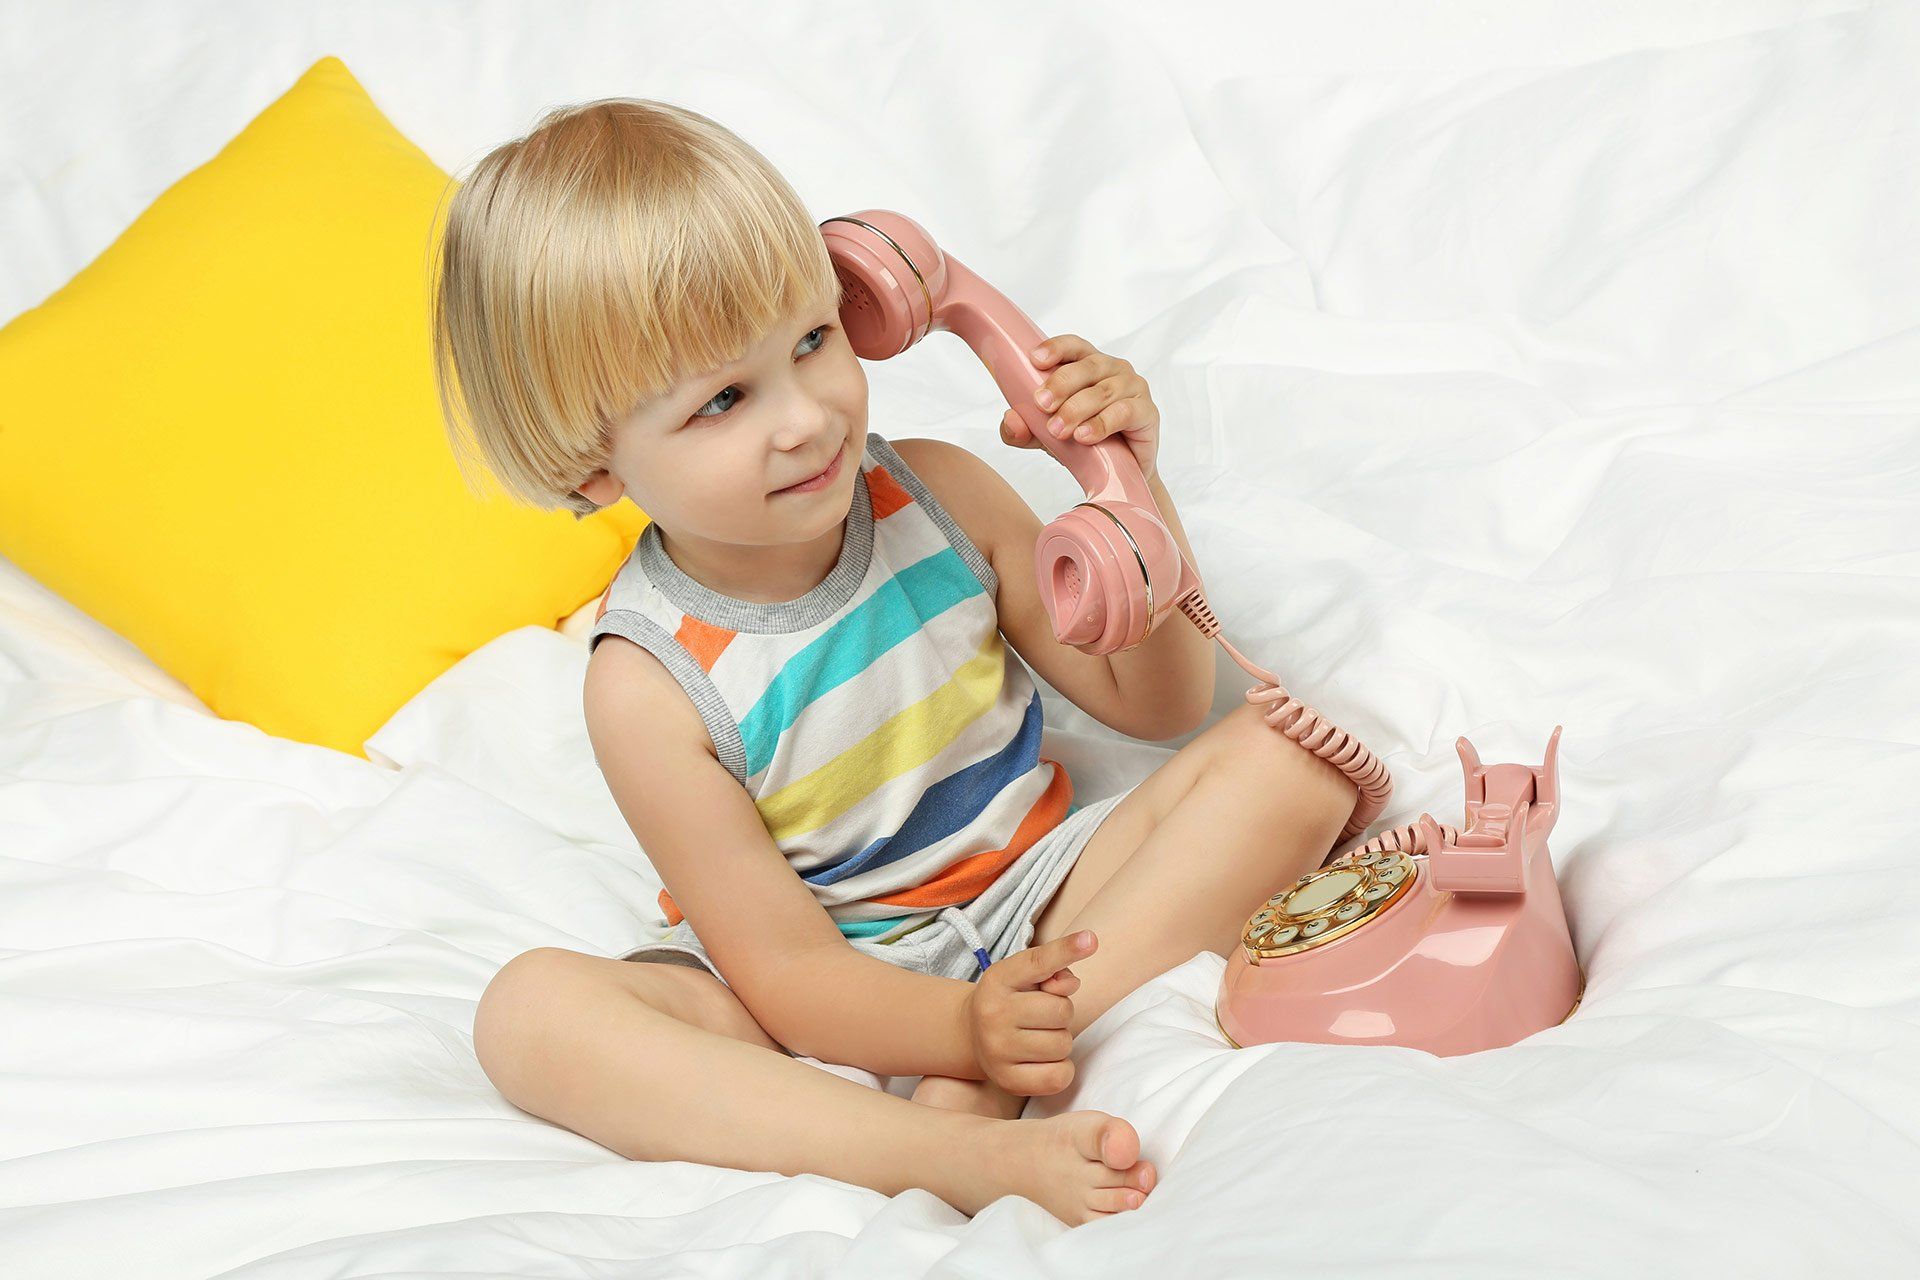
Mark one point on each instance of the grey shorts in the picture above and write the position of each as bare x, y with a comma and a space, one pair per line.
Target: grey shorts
998, 923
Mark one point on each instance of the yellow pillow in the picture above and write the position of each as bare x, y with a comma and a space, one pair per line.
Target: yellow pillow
221, 438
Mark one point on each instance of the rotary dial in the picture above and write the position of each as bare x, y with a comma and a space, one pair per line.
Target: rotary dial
1327, 904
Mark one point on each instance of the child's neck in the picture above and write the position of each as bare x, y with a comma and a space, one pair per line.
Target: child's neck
756, 574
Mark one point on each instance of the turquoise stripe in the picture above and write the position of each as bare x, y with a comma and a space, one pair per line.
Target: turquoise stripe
868, 928
899, 607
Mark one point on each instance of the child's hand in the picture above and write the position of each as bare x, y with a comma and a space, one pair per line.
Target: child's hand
1018, 1014
1091, 396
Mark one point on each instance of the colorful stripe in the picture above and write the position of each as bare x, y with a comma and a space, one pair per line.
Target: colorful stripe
884, 494
903, 742
948, 805
704, 641
899, 609
968, 878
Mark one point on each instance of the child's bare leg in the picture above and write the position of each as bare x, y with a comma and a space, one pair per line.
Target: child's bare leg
1251, 769
981, 1097
595, 1045
1240, 812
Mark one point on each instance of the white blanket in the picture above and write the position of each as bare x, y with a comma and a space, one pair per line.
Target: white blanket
1519, 367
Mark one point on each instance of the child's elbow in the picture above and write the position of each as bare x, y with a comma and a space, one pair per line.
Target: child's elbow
1175, 721
1195, 719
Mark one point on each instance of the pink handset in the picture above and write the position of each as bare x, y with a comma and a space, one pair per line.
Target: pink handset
1422, 937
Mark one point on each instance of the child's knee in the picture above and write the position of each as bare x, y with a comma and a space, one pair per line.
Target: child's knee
1248, 738
1310, 780
519, 1000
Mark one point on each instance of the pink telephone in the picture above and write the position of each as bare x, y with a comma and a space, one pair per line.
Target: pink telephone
1424, 937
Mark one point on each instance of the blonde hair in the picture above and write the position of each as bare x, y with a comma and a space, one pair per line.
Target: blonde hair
620, 246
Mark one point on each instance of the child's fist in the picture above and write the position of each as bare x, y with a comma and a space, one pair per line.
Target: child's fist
1018, 1014
1091, 396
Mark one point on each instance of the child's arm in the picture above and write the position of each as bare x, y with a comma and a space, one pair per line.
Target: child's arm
845, 1006
1158, 690
781, 953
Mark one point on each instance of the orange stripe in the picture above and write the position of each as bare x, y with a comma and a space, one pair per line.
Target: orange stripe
884, 493
968, 878
703, 640
604, 597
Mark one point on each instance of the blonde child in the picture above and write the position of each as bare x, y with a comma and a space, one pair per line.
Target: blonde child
809, 712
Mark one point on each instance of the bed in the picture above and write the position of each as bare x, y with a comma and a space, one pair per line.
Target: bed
1519, 368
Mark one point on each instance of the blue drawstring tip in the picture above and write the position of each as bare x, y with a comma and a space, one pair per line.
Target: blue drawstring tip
980, 954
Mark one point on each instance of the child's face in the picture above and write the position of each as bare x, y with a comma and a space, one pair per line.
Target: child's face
709, 456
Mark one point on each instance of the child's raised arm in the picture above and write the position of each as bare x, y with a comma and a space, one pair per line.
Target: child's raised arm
781, 953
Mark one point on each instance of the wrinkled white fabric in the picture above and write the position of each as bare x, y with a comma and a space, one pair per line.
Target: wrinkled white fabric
1518, 368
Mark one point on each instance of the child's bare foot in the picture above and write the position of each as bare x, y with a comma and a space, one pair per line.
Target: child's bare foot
1079, 1166
982, 1097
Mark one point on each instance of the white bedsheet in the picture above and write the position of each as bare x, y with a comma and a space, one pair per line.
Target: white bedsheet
1518, 368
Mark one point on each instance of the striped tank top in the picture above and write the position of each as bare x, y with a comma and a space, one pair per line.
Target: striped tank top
887, 734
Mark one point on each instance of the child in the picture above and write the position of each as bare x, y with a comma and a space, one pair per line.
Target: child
809, 713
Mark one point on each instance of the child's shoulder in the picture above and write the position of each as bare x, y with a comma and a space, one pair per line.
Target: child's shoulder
628, 694
978, 498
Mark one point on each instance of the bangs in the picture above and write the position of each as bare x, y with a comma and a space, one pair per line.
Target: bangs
621, 247
741, 269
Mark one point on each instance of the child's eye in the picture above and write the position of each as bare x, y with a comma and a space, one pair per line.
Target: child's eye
822, 330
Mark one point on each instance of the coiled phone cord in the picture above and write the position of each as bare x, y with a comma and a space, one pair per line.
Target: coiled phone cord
1328, 741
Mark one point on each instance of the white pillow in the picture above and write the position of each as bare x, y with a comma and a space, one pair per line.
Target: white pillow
45, 637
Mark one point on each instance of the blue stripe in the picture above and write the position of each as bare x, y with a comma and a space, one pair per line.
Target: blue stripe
949, 804
902, 605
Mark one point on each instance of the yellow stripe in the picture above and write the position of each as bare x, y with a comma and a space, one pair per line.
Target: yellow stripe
908, 932
904, 743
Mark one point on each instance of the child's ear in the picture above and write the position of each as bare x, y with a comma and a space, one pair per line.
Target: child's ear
578, 513
602, 488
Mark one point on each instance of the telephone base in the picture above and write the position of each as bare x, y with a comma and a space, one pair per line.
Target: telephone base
1582, 995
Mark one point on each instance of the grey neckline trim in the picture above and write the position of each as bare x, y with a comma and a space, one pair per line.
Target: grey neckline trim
819, 604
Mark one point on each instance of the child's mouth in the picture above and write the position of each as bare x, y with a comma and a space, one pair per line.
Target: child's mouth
820, 481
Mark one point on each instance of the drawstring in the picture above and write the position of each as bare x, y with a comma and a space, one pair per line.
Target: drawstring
959, 921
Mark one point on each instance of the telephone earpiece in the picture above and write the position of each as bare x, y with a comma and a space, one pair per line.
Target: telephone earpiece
1109, 570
